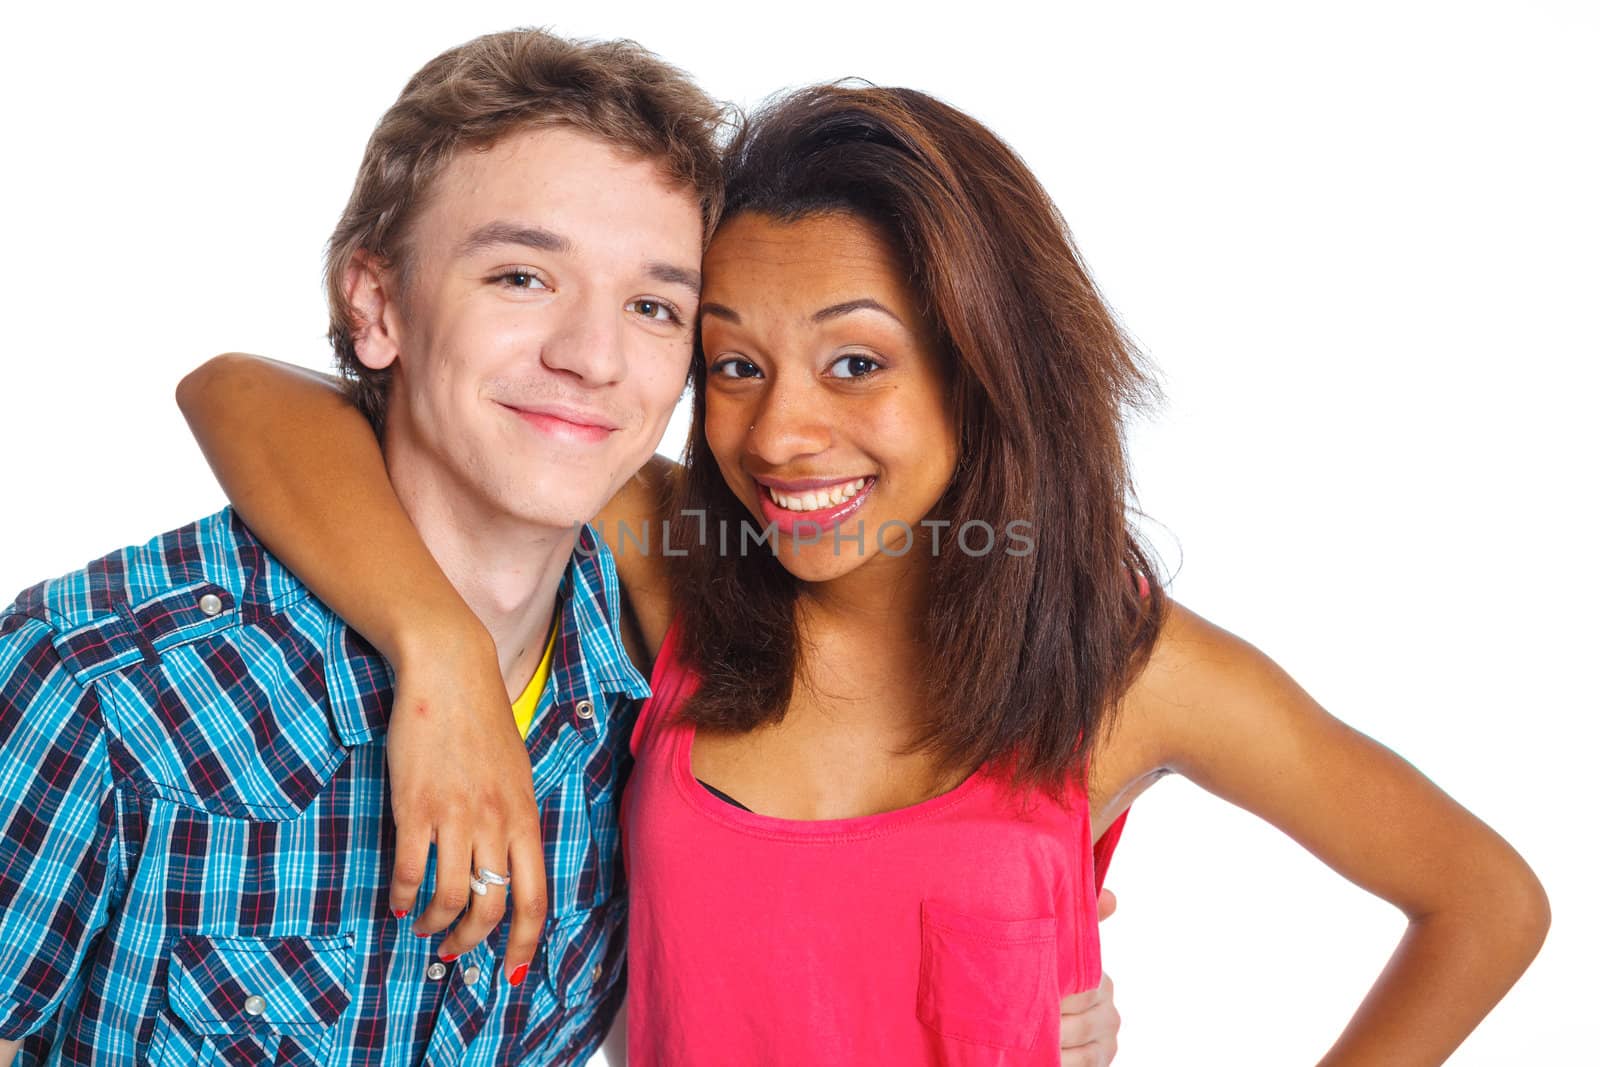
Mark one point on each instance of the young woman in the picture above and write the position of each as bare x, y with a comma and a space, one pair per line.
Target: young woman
884, 740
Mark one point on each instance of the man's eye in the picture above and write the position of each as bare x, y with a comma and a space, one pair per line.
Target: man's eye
655, 310
736, 368
521, 279
852, 367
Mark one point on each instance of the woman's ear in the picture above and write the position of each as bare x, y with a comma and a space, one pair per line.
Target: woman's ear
370, 287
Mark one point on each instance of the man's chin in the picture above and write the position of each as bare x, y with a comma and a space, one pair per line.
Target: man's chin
569, 503
557, 516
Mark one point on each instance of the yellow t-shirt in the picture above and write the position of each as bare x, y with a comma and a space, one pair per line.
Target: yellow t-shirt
528, 702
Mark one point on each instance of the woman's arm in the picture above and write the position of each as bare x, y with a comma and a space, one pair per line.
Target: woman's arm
304, 470
631, 524
1213, 708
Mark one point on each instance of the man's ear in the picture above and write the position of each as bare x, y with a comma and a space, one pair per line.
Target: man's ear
371, 288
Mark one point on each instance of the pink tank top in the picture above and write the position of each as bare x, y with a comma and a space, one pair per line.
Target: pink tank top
943, 933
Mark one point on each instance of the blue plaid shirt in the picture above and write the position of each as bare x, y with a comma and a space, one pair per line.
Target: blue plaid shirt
196, 841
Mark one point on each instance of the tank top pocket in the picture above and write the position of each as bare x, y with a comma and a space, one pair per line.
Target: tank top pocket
985, 980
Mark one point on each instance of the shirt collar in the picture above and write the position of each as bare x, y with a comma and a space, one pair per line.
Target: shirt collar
590, 660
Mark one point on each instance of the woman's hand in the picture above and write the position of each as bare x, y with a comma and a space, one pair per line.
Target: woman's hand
461, 780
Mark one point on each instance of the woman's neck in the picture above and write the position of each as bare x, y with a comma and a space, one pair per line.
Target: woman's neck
861, 646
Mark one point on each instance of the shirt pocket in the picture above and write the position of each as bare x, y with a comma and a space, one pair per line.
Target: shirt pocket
253, 1000
984, 980
583, 953
235, 725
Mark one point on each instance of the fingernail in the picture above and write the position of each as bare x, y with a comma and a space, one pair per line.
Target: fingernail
519, 974
449, 957
419, 933
400, 913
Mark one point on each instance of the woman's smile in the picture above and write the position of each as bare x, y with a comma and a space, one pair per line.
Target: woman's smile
823, 505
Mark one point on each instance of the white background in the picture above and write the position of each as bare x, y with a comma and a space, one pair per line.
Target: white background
1359, 241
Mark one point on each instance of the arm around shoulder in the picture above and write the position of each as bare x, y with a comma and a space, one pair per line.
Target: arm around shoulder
305, 471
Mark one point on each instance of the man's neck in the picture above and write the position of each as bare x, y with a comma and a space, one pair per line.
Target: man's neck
507, 570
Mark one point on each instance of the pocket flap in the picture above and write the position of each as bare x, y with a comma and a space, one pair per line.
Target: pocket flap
229, 985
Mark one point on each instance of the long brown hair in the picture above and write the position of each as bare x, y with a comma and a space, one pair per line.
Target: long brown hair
1026, 655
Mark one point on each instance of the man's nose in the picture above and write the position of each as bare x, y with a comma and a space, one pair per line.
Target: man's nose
587, 342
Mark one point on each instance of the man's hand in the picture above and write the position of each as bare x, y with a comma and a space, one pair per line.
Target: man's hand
1089, 1025
1089, 1020
460, 779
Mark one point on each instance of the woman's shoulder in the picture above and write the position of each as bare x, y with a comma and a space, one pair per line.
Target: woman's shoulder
1192, 666
631, 524
1208, 705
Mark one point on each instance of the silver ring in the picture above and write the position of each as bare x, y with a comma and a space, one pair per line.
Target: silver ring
478, 887
489, 877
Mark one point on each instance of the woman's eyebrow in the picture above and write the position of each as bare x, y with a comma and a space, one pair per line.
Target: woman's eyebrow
833, 311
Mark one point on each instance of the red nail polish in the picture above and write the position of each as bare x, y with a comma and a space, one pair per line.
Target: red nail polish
419, 933
519, 974
449, 957
400, 913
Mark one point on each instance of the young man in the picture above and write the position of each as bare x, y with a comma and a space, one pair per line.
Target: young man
193, 846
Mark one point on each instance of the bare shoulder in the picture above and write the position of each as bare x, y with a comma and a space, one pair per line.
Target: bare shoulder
1217, 710
631, 525
1197, 677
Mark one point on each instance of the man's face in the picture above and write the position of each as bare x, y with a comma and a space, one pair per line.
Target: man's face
544, 334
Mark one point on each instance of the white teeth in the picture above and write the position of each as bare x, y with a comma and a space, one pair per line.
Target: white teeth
824, 498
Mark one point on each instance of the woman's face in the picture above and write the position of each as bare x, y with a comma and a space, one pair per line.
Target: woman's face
827, 405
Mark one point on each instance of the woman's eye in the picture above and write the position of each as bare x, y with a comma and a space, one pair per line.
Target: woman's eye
655, 310
852, 367
736, 368
521, 279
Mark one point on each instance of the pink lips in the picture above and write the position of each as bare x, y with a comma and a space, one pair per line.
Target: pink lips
564, 423
809, 522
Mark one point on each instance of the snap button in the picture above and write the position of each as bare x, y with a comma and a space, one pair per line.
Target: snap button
211, 604
470, 975
435, 971
585, 709
594, 974
254, 1005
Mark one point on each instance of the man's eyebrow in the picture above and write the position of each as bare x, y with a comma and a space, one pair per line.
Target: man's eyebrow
833, 311
511, 233
666, 272
537, 237
720, 311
